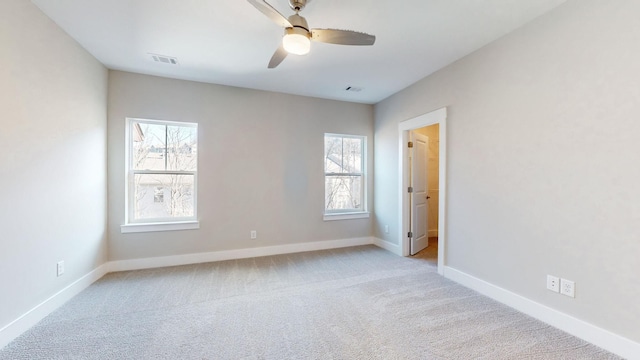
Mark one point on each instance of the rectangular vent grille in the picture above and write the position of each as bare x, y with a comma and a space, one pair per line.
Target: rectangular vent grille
164, 59
353, 89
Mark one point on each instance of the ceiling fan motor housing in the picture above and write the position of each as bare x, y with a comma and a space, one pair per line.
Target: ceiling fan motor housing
297, 31
298, 22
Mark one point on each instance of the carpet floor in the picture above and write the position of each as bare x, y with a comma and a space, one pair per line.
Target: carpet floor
352, 303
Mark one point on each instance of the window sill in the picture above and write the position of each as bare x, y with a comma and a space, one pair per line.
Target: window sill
345, 216
165, 226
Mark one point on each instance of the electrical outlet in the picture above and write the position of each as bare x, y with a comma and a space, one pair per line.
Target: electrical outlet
254, 234
553, 283
386, 229
567, 287
60, 268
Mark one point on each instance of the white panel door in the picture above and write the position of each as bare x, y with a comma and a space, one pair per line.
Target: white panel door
419, 206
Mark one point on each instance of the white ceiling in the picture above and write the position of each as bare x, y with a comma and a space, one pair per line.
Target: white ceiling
229, 42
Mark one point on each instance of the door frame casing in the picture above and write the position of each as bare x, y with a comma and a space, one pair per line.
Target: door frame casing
432, 118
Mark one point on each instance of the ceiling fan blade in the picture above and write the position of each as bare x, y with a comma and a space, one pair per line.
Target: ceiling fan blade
271, 13
342, 37
277, 57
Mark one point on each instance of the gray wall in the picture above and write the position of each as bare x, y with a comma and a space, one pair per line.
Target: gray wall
53, 101
543, 160
260, 164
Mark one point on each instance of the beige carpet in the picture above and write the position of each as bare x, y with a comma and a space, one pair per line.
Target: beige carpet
353, 303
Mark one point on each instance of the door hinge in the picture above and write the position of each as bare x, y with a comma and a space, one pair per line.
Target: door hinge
410, 144
410, 234
410, 189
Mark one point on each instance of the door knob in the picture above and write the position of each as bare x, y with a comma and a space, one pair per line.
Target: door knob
428, 197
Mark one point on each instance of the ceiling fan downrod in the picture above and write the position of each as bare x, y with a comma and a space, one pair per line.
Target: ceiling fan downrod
297, 5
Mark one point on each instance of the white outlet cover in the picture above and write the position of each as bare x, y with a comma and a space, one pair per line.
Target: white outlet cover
60, 268
553, 283
567, 287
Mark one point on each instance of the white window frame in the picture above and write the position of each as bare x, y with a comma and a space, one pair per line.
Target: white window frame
347, 214
157, 224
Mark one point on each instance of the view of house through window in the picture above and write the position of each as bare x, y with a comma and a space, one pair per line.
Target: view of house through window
344, 173
162, 171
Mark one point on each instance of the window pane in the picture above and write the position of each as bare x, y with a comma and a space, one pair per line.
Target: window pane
148, 146
163, 196
352, 155
332, 154
182, 148
343, 192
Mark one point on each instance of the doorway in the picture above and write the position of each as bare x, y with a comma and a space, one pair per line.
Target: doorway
438, 118
419, 199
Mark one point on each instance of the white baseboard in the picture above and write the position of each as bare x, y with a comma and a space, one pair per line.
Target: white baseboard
600, 337
591, 333
33, 316
433, 233
14, 329
394, 248
148, 263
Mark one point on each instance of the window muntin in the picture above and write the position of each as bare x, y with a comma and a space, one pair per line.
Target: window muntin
344, 173
161, 171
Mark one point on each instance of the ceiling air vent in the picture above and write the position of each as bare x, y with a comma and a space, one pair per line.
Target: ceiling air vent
164, 59
353, 89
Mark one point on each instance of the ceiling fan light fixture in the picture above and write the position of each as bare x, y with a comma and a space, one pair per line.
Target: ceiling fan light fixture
297, 43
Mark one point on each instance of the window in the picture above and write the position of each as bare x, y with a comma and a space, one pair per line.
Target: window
344, 175
162, 164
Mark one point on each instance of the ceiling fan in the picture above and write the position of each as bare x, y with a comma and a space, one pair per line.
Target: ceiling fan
297, 35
